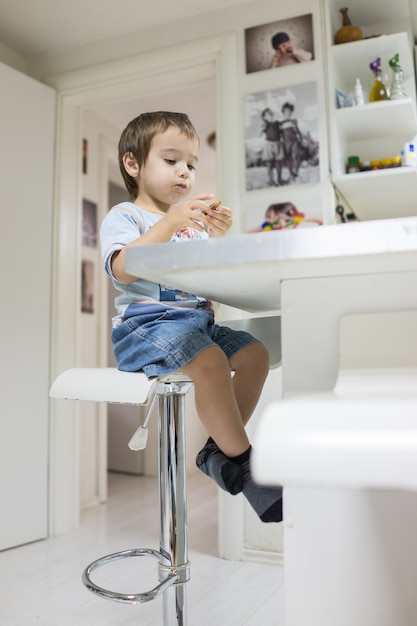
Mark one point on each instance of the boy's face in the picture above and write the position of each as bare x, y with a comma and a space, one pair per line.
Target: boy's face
168, 174
285, 48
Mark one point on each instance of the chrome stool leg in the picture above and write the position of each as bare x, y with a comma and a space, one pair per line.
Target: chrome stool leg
173, 566
173, 500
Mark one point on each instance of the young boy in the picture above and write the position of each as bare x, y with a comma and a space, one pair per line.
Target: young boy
159, 330
272, 153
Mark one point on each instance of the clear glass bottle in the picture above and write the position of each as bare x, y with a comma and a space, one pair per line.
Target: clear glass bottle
397, 85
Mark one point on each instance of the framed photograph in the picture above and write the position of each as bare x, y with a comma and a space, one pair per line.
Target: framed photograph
279, 44
87, 286
89, 224
284, 211
282, 137
85, 156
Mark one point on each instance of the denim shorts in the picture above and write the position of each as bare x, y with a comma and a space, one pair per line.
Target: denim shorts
162, 340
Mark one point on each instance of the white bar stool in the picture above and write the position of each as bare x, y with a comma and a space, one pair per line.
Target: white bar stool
348, 465
112, 385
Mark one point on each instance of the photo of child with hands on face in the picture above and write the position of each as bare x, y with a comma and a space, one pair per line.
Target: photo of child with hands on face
159, 330
288, 42
286, 53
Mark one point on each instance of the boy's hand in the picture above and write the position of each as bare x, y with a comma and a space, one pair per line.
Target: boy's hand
193, 213
219, 220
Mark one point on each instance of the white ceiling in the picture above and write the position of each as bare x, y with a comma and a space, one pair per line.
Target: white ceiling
35, 27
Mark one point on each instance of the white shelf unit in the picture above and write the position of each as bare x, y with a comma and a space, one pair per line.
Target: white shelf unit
351, 61
375, 130
381, 194
370, 120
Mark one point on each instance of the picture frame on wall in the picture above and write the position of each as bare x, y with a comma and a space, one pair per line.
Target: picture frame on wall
281, 210
87, 286
89, 223
281, 137
279, 44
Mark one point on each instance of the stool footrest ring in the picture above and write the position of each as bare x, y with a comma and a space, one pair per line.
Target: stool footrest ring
128, 598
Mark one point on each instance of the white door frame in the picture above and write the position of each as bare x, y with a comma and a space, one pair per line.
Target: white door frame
145, 74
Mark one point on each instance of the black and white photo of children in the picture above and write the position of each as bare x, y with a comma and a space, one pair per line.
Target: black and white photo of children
279, 44
281, 137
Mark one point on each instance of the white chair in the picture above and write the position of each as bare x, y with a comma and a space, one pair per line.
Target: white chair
348, 464
112, 385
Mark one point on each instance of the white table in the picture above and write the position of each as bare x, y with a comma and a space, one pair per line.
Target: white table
311, 276
336, 572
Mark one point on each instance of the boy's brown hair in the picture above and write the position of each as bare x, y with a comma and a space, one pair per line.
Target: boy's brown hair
138, 134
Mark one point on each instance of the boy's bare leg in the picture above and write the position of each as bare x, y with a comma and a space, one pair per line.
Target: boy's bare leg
251, 367
224, 406
225, 403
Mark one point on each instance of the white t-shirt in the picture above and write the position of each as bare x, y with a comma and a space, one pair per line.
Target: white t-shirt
124, 223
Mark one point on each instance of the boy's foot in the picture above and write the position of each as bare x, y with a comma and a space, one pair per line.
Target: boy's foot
225, 472
266, 501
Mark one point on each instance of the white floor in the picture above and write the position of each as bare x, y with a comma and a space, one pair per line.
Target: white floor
40, 583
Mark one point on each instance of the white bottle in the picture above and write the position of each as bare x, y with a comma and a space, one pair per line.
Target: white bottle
359, 99
409, 157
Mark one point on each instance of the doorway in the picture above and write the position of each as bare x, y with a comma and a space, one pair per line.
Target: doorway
102, 125
155, 72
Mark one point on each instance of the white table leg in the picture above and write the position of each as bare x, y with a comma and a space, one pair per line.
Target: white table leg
350, 558
311, 312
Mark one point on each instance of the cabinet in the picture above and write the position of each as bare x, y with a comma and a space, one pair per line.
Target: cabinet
27, 113
374, 130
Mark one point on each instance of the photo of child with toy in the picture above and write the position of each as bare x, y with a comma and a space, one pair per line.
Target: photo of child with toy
283, 215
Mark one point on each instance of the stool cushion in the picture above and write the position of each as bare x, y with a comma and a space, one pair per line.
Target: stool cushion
103, 384
108, 384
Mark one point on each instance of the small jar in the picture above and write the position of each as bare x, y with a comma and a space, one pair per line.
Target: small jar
374, 164
353, 165
384, 164
396, 161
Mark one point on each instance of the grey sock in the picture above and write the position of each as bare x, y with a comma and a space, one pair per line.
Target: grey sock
225, 472
266, 501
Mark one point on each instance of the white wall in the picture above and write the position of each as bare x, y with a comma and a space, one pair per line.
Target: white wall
93, 452
11, 58
26, 207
